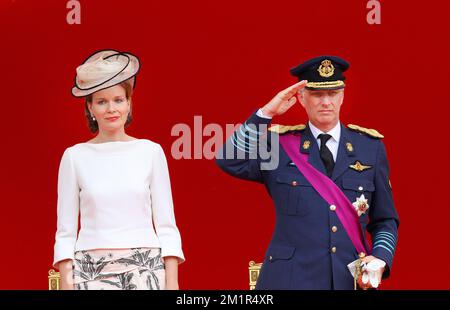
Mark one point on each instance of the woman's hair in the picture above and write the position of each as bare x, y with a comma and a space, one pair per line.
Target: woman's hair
93, 125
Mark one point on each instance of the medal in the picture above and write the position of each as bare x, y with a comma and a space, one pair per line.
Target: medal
361, 205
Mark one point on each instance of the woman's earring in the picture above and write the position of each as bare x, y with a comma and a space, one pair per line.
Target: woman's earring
93, 118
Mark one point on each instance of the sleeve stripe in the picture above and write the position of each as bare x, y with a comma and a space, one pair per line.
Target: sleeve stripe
382, 246
385, 233
251, 130
385, 236
240, 148
245, 135
244, 144
239, 139
385, 242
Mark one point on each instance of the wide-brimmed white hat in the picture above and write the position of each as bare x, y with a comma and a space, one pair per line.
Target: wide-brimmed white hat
104, 69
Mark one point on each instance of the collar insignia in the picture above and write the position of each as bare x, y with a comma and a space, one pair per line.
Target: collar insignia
306, 144
349, 147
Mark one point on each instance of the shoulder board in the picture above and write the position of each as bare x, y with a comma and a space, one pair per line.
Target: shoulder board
371, 132
281, 129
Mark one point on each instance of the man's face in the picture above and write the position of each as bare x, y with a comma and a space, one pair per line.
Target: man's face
322, 106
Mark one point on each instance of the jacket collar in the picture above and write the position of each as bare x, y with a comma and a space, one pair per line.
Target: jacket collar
345, 155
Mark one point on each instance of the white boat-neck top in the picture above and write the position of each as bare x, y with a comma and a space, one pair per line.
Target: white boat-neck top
121, 191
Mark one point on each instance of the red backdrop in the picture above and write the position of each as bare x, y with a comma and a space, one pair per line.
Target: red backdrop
222, 60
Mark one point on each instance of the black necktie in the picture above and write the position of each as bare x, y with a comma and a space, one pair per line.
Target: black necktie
325, 154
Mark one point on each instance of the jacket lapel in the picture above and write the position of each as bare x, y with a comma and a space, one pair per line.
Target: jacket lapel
346, 154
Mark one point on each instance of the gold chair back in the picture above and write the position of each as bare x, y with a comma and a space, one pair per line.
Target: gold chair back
53, 280
253, 269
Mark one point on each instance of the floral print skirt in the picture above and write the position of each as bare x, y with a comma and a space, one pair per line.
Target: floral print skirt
119, 269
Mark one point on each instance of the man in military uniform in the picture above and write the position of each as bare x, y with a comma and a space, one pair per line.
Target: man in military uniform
330, 186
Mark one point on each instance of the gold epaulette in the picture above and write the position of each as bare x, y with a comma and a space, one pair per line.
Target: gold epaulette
281, 129
371, 132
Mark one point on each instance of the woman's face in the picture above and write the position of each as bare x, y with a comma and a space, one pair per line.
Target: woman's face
110, 108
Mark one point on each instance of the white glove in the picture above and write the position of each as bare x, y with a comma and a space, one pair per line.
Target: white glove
372, 272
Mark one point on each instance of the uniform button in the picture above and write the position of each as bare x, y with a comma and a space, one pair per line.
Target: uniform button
270, 258
334, 229
333, 249
360, 188
294, 183
332, 207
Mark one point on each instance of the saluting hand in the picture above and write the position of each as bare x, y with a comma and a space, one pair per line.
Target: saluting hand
284, 100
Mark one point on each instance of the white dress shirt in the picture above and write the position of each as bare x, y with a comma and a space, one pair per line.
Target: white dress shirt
333, 142
121, 191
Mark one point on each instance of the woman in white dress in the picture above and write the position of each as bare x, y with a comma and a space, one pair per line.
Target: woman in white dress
118, 188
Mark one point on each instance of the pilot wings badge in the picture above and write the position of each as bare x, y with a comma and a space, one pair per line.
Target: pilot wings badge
359, 167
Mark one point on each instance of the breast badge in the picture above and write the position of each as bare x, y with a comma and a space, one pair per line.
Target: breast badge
359, 167
361, 205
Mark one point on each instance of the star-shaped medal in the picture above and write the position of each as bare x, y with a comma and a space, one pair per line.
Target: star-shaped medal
361, 205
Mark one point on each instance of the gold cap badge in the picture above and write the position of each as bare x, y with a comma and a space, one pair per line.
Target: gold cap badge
326, 68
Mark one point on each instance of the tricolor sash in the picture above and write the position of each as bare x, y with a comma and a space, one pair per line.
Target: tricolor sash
328, 190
